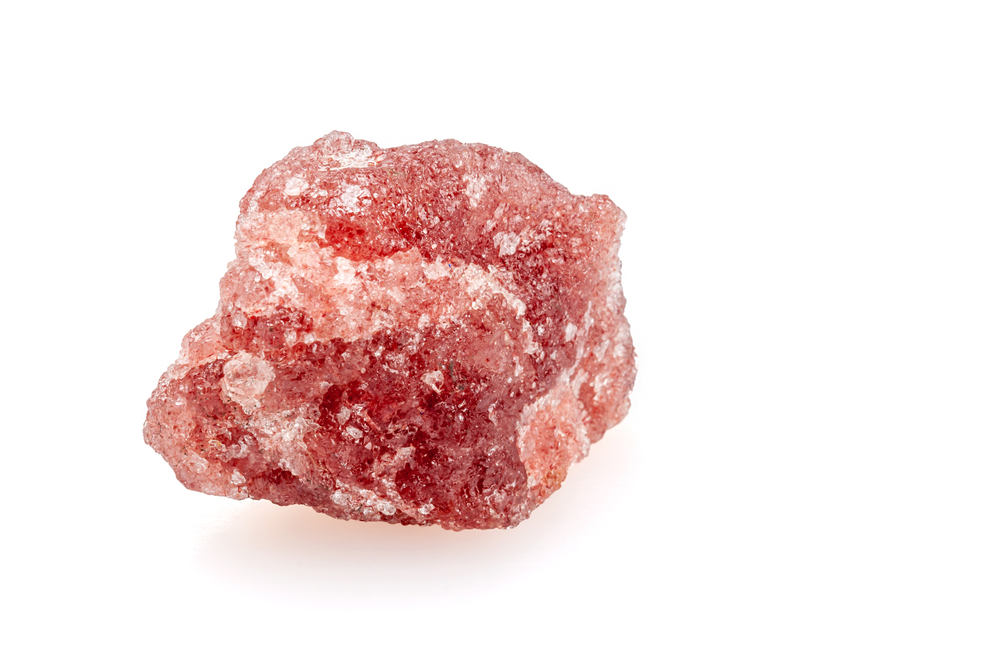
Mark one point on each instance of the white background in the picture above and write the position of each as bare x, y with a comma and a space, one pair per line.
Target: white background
810, 469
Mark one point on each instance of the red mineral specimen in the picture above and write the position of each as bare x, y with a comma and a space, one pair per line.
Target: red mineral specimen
424, 334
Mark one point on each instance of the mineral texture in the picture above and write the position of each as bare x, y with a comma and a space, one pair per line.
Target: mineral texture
425, 334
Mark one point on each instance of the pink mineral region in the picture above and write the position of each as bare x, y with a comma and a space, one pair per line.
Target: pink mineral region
808, 473
430, 334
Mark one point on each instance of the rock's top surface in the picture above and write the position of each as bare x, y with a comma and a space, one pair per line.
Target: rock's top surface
424, 334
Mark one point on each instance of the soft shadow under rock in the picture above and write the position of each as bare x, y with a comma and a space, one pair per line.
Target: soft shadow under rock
296, 551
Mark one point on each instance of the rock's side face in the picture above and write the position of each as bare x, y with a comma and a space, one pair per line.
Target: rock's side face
425, 334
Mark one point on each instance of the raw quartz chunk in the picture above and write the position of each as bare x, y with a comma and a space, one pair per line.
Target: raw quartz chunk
425, 334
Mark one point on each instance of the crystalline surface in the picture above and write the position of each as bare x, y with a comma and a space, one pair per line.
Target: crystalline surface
425, 334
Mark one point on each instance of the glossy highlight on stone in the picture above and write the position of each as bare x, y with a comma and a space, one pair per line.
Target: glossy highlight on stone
426, 334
